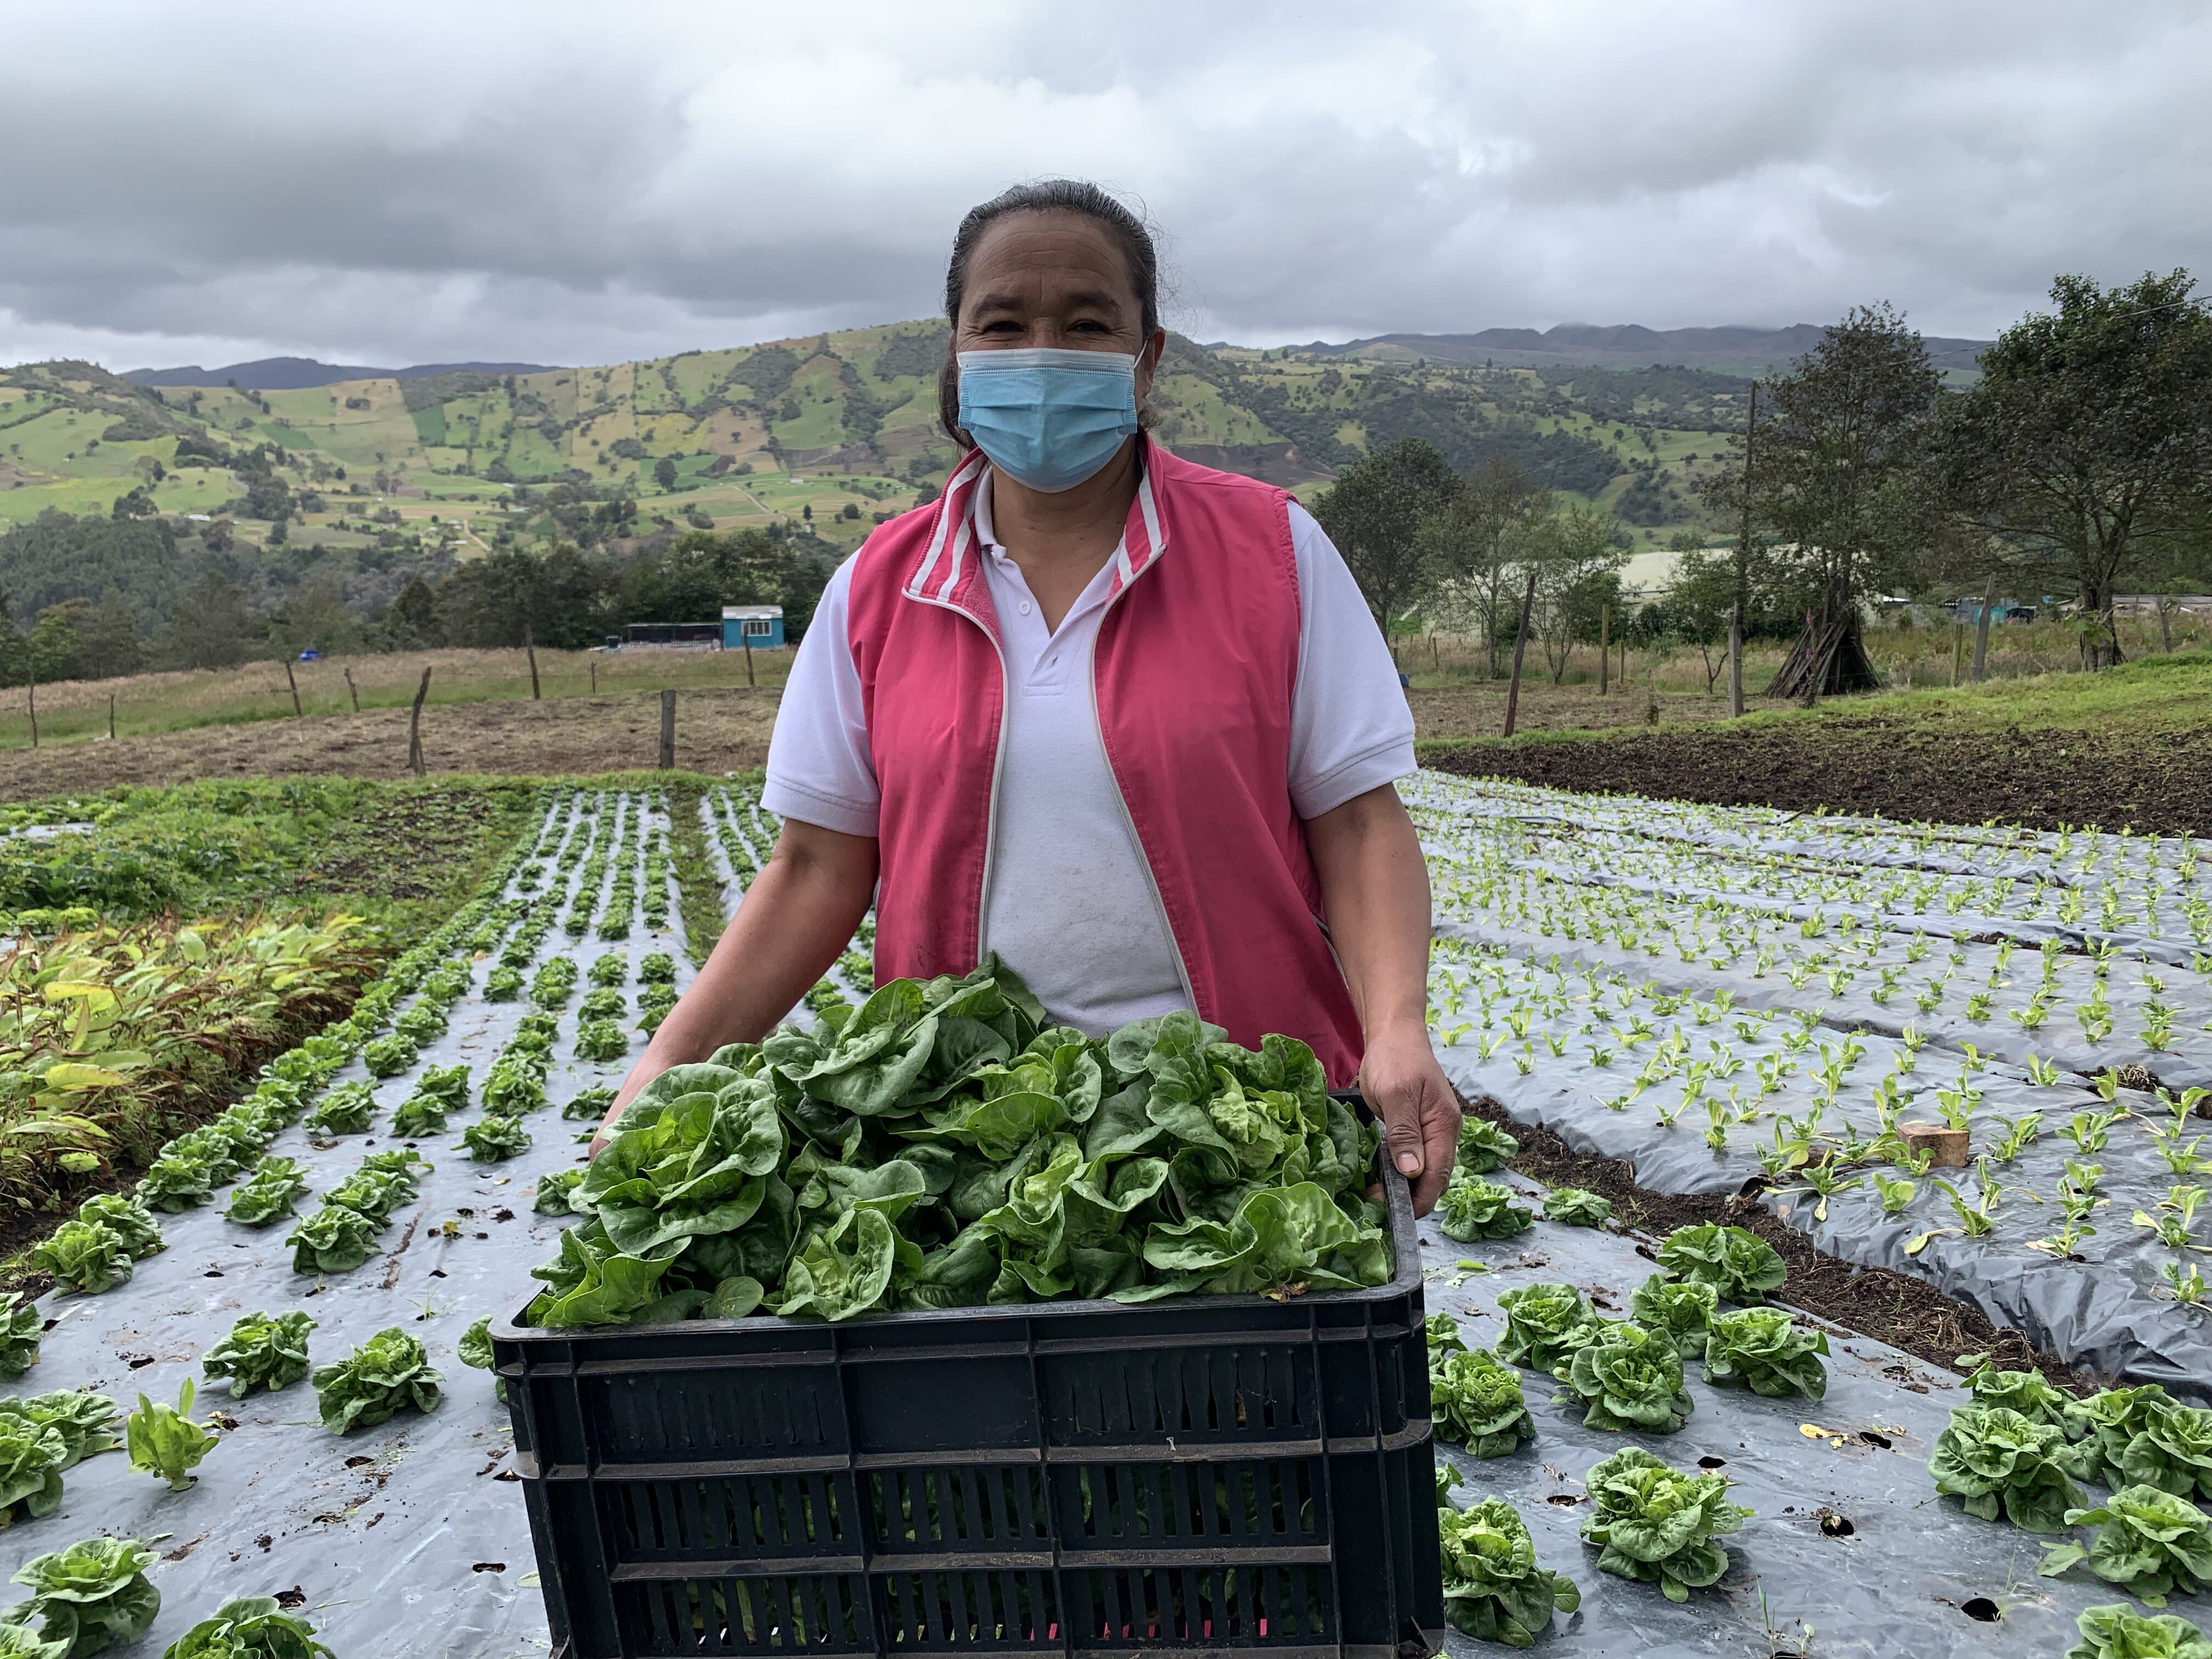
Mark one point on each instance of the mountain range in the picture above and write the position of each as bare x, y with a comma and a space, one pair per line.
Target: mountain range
296, 373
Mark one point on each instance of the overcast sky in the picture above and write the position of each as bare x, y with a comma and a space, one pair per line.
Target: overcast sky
404, 183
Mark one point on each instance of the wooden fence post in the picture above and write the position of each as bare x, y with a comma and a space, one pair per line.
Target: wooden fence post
1604, 650
1981, 630
1520, 649
1735, 661
415, 726
33, 695
667, 731
595, 676
294, 684
111, 716
748, 660
353, 690
530, 649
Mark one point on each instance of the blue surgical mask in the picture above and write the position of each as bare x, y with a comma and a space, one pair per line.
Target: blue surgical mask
1048, 418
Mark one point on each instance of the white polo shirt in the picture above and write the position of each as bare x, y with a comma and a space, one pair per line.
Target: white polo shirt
1068, 900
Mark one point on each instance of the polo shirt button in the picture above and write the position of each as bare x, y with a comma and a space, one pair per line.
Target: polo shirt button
1026, 607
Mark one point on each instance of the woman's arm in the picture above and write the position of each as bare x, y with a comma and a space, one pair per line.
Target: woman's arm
1375, 890
798, 915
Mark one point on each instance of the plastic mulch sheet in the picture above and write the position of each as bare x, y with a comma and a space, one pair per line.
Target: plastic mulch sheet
402, 1539
1851, 1549
1697, 1030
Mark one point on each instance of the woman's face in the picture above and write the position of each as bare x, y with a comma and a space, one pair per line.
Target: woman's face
1055, 279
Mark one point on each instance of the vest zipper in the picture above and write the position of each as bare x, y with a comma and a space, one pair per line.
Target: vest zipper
1128, 820
998, 763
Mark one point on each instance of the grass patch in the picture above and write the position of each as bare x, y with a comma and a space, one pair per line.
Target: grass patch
402, 855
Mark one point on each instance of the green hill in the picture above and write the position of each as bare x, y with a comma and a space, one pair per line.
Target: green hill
831, 433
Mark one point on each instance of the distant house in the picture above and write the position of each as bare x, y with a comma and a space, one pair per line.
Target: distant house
759, 627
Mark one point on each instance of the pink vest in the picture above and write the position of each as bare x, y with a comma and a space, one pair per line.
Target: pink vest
1196, 662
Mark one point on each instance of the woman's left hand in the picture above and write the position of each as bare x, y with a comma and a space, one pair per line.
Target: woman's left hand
1407, 1090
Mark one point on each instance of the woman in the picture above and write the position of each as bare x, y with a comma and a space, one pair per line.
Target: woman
1123, 720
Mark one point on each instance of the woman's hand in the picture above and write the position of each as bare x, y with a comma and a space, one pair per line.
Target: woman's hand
1406, 1091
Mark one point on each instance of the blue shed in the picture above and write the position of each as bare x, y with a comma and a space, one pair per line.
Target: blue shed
757, 626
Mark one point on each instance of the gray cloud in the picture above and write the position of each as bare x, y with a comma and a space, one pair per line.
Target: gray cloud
576, 183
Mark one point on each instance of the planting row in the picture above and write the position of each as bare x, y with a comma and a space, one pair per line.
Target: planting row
351, 1226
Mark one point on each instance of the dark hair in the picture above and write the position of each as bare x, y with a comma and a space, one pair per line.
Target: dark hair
1077, 196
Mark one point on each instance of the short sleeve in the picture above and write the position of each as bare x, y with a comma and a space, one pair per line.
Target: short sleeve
1351, 728
819, 767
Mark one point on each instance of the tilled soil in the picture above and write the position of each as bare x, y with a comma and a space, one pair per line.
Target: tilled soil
2157, 783
717, 730
1906, 1313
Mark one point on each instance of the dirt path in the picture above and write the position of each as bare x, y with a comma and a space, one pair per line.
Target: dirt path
2158, 782
716, 731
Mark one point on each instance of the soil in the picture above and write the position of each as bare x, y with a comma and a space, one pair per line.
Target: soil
1905, 1313
2157, 783
1476, 709
717, 730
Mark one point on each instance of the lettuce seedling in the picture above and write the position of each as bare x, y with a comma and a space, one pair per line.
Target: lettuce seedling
502, 984
2119, 1632
2029, 1393
590, 1105
1477, 1402
21, 1642
249, 1627
1441, 1331
601, 1040
1629, 1377
2170, 1448
90, 1597
166, 1441
269, 1193
21, 1328
32, 1457
1764, 1349
2106, 1425
333, 1240
1680, 1307
263, 1350
555, 1192
1576, 1206
86, 1256
348, 1109
1540, 1323
388, 1374
658, 967
419, 1116
389, 1056
128, 1219
447, 1083
1739, 1264
1483, 1147
492, 1138
175, 1183
1494, 1591
2151, 1542
1997, 1463
86, 1422
1656, 1525
1472, 1208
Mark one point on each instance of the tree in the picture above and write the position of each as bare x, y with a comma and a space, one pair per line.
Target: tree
210, 627
664, 472
1374, 512
2087, 445
416, 610
1474, 541
1702, 602
1577, 554
1839, 474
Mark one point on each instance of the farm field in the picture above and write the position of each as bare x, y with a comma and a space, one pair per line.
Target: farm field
1703, 1013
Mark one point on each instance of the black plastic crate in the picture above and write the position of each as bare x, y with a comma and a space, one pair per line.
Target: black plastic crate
1200, 1473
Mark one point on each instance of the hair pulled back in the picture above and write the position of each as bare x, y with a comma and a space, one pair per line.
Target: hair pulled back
1077, 196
